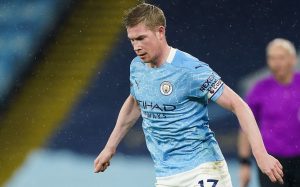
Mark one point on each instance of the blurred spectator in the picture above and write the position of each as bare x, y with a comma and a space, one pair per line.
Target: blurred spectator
275, 102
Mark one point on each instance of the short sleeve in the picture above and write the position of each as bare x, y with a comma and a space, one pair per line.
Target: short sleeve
205, 83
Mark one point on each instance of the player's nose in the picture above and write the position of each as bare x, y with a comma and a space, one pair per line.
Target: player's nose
137, 50
136, 47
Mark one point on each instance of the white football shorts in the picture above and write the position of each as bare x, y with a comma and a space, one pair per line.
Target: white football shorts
211, 174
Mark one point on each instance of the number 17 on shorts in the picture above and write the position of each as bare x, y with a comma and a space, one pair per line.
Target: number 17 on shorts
208, 183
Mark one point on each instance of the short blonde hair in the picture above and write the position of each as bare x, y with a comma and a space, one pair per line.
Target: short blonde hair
284, 43
151, 15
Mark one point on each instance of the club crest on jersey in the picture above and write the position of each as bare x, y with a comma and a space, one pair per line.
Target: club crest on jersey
166, 88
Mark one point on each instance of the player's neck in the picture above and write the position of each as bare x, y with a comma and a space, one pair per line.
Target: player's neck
286, 79
162, 57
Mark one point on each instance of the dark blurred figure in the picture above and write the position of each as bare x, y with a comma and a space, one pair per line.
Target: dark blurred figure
275, 102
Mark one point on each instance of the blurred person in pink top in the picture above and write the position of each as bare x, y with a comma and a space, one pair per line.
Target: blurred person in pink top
275, 102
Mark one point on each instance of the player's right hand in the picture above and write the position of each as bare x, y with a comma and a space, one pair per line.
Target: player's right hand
245, 174
103, 160
271, 167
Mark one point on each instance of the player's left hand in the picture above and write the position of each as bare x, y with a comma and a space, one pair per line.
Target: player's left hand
271, 167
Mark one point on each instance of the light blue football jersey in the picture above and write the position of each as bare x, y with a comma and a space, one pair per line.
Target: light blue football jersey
173, 100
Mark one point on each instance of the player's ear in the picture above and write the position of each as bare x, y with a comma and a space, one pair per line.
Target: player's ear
294, 60
161, 30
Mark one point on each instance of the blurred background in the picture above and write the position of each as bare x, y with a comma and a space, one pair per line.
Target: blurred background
64, 74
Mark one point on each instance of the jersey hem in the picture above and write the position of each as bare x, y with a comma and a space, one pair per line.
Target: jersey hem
187, 169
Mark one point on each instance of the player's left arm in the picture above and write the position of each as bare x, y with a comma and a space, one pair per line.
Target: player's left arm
267, 163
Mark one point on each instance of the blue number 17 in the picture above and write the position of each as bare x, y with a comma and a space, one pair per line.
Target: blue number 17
213, 181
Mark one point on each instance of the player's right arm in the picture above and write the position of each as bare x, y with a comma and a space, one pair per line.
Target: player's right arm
244, 150
267, 163
129, 114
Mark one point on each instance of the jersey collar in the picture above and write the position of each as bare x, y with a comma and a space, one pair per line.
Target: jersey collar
171, 55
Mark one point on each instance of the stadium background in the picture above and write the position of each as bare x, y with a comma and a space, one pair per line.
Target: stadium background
64, 68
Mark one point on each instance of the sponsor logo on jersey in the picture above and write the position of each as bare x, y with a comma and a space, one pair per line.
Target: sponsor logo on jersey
154, 106
198, 67
211, 85
211, 79
166, 88
214, 88
154, 115
155, 111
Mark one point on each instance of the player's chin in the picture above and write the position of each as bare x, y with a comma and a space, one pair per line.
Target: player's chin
146, 58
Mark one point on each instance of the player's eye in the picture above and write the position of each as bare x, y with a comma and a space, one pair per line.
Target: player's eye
140, 38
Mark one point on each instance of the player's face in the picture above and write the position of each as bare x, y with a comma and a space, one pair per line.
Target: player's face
145, 41
280, 61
